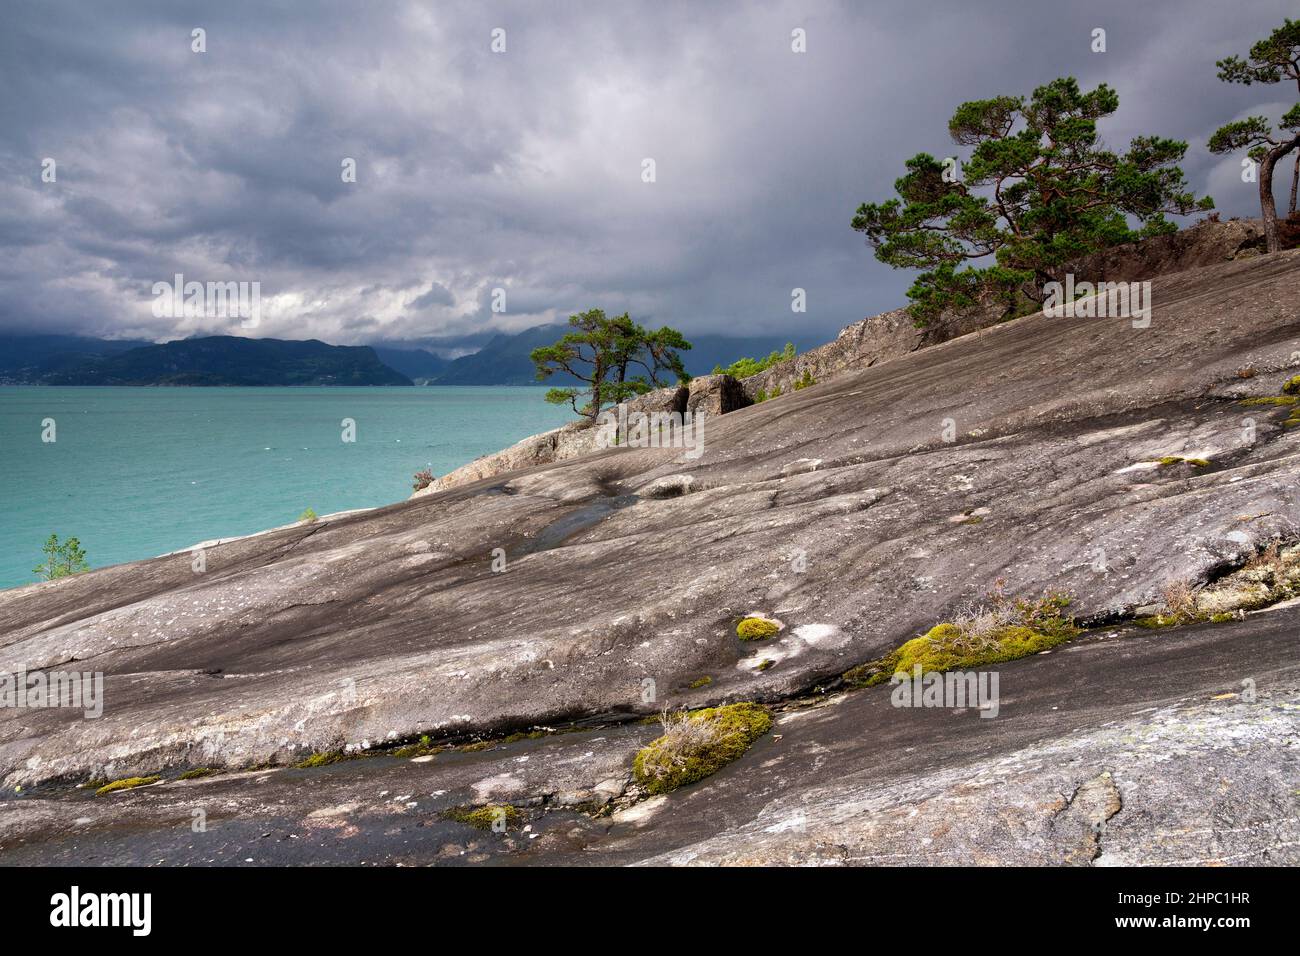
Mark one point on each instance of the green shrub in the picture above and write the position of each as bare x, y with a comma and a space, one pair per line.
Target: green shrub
745, 367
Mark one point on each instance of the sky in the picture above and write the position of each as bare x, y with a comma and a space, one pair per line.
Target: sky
523, 168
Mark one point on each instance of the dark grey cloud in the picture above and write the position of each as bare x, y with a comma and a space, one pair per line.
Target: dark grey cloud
522, 170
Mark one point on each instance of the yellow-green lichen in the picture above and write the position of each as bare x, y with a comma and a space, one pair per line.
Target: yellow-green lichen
697, 744
1292, 386
128, 783
700, 682
756, 629
498, 818
1174, 460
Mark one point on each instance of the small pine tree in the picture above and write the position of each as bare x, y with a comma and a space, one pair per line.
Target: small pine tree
61, 560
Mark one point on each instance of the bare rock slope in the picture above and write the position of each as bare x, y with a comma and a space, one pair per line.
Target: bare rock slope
857, 512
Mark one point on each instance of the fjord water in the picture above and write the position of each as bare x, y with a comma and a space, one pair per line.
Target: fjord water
138, 472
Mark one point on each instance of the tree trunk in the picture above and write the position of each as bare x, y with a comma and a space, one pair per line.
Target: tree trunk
1267, 205
1295, 181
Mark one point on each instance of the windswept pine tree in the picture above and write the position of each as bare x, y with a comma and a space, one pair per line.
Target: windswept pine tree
1038, 192
616, 358
1272, 60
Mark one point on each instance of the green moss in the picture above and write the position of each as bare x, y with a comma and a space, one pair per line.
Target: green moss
765, 663
424, 747
126, 784
197, 772
700, 682
755, 629
483, 818
1174, 460
1292, 386
1273, 399
663, 765
1041, 625
324, 759
1154, 622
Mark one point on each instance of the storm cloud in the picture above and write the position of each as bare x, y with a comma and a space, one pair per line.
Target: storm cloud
523, 169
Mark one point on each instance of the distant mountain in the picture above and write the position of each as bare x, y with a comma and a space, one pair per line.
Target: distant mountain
230, 360
413, 363
27, 359
505, 359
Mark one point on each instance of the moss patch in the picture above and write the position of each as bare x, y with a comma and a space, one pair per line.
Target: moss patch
424, 747
756, 629
1270, 576
127, 783
1273, 399
700, 682
698, 744
1175, 460
490, 817
324, 759
1292, 386
197, 772
1008, 630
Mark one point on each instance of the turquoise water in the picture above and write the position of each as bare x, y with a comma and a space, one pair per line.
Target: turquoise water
138, 472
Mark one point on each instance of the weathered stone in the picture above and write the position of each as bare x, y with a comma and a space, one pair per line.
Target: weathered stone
396, 622
715, 395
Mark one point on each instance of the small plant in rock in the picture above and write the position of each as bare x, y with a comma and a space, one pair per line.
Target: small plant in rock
308, 516
805, 380
697, 744
423, 479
